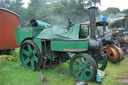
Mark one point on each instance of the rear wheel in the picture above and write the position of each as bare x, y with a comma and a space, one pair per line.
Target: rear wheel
83, 67
30, 55
101, 60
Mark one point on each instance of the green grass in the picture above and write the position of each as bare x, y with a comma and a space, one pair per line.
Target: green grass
12, 73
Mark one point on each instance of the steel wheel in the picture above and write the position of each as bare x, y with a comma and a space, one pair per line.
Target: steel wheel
83, 67
30, 55
101, 60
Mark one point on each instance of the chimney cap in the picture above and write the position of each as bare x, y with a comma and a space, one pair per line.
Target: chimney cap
92, 7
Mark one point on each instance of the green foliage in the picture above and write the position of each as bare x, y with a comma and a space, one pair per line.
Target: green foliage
15, 6
53, 11
15, 52
125, 11
117, 25
56, 12
59, 12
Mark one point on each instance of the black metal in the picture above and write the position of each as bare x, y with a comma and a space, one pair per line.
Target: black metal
92, 14
104, 26
88, 30
94, 45
126, 23
101, 59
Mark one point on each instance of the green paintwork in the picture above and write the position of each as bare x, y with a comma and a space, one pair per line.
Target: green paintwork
26, 32
38, 43
69, 45
28, 56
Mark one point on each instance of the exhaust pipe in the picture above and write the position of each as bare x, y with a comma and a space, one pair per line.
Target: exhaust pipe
126, 23
92, 14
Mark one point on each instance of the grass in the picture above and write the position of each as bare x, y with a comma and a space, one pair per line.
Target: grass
12, 73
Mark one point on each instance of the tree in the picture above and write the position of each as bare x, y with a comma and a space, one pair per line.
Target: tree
58, 11
15, 6
125, 11
111, 10
4, 3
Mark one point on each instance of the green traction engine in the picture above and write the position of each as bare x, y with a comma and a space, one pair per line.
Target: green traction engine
40, 44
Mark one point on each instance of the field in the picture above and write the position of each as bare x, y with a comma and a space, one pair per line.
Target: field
13, 73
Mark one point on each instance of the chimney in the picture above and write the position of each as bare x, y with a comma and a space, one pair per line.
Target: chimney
92, 14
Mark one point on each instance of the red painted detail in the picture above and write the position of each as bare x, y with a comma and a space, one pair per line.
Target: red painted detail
75, 50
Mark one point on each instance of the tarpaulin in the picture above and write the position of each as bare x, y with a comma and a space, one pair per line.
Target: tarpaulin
59, 32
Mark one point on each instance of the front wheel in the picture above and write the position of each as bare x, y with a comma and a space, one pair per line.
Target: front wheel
83, 67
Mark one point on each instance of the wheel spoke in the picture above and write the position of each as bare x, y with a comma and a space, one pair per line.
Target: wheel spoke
29, 48
35, 59
79, 61
32, 64
87, 68
26, 52
82, 75
86, 62
78, 73
76, 66
27, 60
90, 70
34, 51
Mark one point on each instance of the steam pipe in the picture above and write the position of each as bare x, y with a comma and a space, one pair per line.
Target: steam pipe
104, 20
92, 14
126, 23
104, 26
